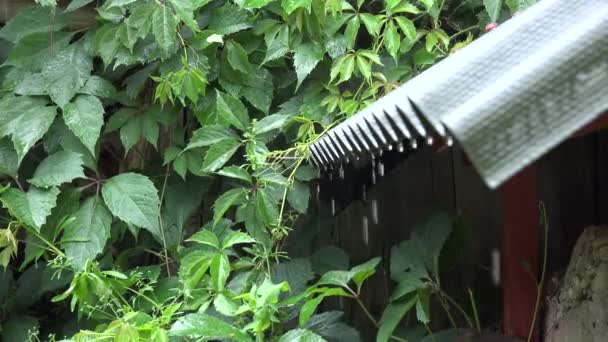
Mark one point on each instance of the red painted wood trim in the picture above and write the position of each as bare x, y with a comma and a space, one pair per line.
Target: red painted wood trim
599, 124
519, 245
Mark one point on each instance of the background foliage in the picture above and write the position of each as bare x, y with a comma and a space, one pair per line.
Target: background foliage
119, 140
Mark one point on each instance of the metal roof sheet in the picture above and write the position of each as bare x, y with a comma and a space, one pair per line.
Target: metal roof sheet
506, 98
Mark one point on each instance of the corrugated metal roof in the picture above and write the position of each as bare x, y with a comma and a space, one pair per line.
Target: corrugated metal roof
507, 98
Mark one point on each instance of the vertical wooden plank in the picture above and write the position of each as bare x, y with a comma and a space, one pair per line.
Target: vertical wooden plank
519, 246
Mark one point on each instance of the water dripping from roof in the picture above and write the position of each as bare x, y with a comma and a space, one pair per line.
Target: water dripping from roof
380, 169
414, 143
333, 206
341, 172
363, 194
365, 230
374, 209
429, 140
390, 147
400, 148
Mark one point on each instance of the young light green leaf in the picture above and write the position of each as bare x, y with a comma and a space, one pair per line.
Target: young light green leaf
232, 110
407, 26
392, 40
205, 237
306, 57
391, 317
236, 173
364, 67
206, 327
58, 168
364, 271
235, 238
31, 208
291, 5
164, 27
84, 117
225, 201
219, 154
65, 73
256, 3
372, 23
352, 28
86, 235
220, 270
133, 198
209, 135
493, 7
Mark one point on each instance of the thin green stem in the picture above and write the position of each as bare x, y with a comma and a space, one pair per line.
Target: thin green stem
541, 282
475, 313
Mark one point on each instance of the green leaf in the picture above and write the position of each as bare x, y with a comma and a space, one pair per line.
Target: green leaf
228, 19
85, 237
309, 308
133, 198
301, 335
422, 305
256, 3
236, 173
206, 327
205, 237
65, 73
232, 110
260, 89
76, 4
392, 40
84, 117
31, 84
329, 325
364, 67
107, 42
126, 333
220, 270
32, 20
424, 57
431, 235
99, 87
235, 238
219, 154
58, 168
164, 27
116, 3
225, 305
493, 7
225, 201
32, 207
407, 26
237, 57
277, 43
296, 272
32, 51
9, 161
19, 326
372, 23
391, 317
185, 10
352, 28
306, 57
407, 260
299, 196
406, 286
209, 135
139, 19
291, 5
266, 207
37, 120
271, 122
364, 271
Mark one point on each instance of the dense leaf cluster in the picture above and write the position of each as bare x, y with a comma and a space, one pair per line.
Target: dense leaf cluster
118, 141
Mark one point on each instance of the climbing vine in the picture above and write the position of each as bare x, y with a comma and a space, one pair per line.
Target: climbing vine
154, 161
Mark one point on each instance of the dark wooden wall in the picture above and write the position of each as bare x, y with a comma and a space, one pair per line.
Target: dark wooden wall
572, 182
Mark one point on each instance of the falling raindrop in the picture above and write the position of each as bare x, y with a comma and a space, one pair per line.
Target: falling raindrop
380, 169
333, 206
373, 170
318, 193
400, 148
380, 153
389, 147
374, 209
364, 194
429, 140
365, 230
346, 160
341, 172
414, 143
